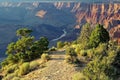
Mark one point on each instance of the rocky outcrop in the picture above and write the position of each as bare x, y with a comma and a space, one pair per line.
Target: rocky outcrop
41, 13
106, 14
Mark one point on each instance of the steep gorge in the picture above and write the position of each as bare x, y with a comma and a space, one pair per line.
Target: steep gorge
53, 17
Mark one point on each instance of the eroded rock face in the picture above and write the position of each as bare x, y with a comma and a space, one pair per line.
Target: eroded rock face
106, 14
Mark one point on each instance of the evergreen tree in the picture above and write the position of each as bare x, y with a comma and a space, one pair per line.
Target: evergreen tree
84, 35
98, 35
26, 48
23, 32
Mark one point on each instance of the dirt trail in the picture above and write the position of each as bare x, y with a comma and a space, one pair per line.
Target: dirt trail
55, 69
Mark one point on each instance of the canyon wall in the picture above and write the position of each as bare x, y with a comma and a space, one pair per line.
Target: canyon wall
107, 14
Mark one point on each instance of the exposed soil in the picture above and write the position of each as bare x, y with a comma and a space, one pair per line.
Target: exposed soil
54, 69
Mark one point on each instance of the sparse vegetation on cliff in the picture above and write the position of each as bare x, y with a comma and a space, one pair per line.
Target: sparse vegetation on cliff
21, 52
93, 56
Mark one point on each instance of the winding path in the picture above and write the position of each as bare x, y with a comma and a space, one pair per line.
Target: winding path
55, 69
63, 35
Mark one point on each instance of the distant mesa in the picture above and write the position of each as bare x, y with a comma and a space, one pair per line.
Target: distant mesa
77, 27
41, 13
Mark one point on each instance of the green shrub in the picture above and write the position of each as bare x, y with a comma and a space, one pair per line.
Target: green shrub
10, 68
9, 77
68, 58
26, 48
34, 65
78, 49
16, 72
71, 52
12, 59
79, 76
60, 44
71, 56
85, 33
4, 63
98, 35
97, 69
52, 49
24, 68
90, 53
101, 48
71, 59
66, 43
45, 57
83, 53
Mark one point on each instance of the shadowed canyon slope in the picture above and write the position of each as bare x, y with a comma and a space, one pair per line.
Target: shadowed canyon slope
51, 18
